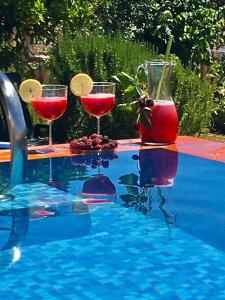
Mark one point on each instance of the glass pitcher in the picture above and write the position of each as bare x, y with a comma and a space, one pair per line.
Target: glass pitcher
163, 115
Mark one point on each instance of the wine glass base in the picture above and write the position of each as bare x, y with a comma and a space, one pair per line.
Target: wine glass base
47, 149
154, 144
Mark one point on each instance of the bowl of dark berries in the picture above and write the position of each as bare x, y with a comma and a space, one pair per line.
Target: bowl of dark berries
93, 142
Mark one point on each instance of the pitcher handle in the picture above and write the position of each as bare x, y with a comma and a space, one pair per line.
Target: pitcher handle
138, 88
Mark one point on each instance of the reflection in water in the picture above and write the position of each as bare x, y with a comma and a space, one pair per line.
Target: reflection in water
157, 170
38, 225
95, 160
157, 167
99, 185
45, 223
98, 188
51, 180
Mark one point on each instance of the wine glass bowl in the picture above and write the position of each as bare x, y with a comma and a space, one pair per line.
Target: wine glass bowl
100, 101
52, 103
50, 106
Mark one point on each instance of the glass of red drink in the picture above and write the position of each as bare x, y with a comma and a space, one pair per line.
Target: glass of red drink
51, 106
100, 101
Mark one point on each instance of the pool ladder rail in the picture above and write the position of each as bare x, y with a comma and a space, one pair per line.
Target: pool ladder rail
12, 109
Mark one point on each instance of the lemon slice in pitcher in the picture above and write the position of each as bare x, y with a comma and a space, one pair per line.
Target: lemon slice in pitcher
30, 89
81, 84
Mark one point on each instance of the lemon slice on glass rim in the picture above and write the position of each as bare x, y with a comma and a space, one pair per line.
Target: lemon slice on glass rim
30, 89
81, 84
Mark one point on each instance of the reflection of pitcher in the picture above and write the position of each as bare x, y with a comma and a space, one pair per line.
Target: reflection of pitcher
158, 167
163, 115
157, 171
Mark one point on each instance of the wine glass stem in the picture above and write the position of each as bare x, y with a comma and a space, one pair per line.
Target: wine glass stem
98, 125
50, 133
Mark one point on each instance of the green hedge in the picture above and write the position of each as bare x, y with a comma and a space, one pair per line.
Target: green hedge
104, 56
193, 99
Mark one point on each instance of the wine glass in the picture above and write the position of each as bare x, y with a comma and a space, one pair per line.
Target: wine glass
50, 106
100, 101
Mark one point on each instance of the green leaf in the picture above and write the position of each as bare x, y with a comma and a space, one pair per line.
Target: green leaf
130, 89
124, 79
116, 78
129, 179
127, 76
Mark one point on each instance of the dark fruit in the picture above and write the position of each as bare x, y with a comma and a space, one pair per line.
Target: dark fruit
93, 142
149, 102
141, 102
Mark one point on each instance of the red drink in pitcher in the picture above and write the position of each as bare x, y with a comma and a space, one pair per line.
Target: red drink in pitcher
49, 108
99, 104
163, 115
164, 123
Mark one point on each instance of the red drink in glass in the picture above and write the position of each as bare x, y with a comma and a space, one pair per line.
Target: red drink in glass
164, 123
49, 108
99, 104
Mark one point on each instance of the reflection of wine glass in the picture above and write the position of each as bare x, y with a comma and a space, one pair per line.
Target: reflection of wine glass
100, 101
98, 189
50, 106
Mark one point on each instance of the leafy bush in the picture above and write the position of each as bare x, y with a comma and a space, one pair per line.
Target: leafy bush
216, 74
218, 115
194, 100
104, 56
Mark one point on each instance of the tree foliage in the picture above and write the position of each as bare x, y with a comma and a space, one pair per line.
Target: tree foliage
196, 25
38, 20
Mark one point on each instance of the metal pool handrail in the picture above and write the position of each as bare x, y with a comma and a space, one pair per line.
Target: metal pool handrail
16, 127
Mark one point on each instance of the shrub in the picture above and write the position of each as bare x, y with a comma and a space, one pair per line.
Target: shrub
194, 100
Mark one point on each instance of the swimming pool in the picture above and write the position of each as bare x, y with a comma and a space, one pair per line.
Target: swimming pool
158, 231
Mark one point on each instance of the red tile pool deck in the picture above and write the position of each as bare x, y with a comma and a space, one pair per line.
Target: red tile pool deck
184, 144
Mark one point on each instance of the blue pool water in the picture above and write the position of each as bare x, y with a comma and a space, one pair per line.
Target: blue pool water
157, 233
